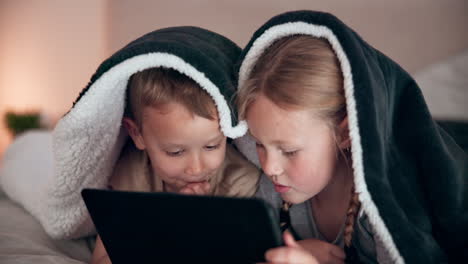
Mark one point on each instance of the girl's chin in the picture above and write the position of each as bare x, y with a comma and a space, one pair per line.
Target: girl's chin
293, 199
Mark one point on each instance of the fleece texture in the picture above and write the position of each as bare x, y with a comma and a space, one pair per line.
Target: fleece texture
411, 177
87, 140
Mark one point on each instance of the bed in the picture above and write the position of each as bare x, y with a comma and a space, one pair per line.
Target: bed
23, 240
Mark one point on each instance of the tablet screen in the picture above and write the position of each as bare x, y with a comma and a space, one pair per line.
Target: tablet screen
141, 227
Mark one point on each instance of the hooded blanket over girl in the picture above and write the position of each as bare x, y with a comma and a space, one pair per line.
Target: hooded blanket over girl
87, 141
411, 177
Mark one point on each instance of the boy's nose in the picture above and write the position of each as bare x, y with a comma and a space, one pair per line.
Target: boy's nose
194, 167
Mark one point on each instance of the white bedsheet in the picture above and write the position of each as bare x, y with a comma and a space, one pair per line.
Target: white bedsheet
23, 240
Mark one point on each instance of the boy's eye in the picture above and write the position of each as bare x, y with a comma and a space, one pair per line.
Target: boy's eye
212, 147
174, 153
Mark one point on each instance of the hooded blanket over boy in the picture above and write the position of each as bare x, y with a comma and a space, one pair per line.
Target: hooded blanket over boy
87, 141
411, 176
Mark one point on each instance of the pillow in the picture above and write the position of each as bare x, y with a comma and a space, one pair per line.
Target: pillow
26, 168
445, 87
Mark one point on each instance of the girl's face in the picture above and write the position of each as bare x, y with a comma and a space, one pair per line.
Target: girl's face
296, 150
183, 148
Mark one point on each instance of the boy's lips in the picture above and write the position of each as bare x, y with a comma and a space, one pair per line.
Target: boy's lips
281, 188
195, 182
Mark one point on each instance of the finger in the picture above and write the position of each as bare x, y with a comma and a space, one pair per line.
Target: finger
206, 187
338, 252
335, 260
289, 240
186, 190
198, 188
189, 189
332, 259
290, 255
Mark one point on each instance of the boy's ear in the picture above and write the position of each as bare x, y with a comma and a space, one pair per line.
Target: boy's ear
134, 132
343, 132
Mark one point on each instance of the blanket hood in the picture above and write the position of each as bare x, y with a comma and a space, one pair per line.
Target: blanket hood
410, 175
88, 139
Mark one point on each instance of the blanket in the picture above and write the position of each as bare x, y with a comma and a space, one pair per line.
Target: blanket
411, 176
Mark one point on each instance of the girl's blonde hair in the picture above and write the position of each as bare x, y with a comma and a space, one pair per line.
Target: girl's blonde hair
301, 72
156, 87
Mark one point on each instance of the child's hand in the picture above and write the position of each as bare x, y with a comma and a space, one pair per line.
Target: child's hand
202, 188
292, 253
324, 252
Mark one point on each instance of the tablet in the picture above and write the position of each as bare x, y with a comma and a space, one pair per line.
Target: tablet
142, 227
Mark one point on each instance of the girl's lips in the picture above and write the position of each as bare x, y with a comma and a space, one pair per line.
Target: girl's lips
281, 188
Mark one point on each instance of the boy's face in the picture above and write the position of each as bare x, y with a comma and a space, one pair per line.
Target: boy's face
184, 149
296, 150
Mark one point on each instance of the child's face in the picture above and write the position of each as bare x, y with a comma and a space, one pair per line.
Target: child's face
183, 148
296, 150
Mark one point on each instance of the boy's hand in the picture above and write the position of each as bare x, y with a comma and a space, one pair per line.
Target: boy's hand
201, 188
324, 252
292, 253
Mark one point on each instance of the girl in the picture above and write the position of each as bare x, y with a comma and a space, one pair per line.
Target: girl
354, 160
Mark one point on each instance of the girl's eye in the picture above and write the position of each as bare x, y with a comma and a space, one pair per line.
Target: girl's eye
258, 145
290, 153
174, 153
213, 147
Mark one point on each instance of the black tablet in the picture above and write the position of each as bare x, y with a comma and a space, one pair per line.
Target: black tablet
142, 227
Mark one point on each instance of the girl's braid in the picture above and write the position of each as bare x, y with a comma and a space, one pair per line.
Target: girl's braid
351, 216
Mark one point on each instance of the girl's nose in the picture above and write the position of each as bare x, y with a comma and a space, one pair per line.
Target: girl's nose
271, 166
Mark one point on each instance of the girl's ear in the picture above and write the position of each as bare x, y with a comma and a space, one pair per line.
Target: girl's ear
343, 133
134, 132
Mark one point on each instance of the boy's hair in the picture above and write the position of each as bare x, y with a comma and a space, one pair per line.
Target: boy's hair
301, 72
156, 87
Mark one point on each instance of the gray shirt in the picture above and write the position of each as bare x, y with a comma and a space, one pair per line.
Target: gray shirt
303, 222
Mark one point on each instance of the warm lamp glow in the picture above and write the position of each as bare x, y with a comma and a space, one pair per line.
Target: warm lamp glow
48, 52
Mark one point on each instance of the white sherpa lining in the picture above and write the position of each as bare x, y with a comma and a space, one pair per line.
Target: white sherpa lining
295, 28
88, 140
